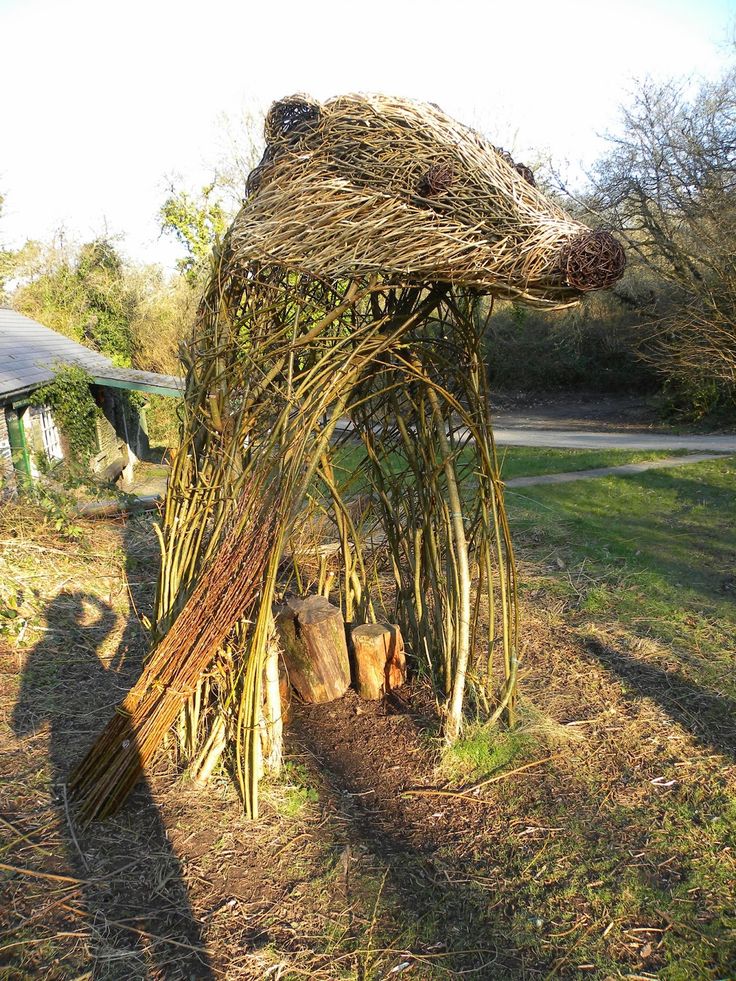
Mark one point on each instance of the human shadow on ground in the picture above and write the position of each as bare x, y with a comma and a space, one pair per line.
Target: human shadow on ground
709, 717
135, 901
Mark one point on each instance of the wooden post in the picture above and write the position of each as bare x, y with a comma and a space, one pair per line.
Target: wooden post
380, 662
315, 652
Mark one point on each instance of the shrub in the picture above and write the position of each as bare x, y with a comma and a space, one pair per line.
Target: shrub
75, 413
595, 345
162, 416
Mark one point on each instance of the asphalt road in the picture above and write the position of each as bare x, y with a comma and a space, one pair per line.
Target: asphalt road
521, 435
522, 429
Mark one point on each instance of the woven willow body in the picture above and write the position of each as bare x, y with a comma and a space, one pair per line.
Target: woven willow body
349, 289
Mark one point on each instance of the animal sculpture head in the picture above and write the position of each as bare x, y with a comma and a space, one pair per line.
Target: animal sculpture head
373, 185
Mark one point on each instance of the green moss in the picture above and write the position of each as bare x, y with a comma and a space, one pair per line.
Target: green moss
295, 791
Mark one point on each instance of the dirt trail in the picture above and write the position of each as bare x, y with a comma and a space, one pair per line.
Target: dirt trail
576, 410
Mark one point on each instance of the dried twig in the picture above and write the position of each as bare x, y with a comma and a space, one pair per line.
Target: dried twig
467, 793
53, 877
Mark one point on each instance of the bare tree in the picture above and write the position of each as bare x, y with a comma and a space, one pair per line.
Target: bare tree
241, 147
197, 219
669, 184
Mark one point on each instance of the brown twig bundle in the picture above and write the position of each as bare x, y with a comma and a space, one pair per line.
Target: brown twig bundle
593, 261
227, 588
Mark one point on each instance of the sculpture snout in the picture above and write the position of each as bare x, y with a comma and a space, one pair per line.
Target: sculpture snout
592, 261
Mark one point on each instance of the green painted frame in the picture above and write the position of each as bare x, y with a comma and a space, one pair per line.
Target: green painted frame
18, 445
136, 386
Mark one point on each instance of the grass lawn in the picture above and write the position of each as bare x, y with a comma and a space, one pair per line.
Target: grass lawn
632, 581
529, 461
655, 552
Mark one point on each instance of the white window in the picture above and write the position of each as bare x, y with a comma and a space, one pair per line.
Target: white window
50, 434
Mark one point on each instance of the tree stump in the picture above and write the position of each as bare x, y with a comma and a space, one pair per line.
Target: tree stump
380, 662
315, 652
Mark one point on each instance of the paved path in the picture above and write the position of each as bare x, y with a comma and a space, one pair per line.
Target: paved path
622, 440
622, 471
511, 429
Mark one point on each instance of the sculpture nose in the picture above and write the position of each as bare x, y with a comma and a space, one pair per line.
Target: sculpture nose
592, 261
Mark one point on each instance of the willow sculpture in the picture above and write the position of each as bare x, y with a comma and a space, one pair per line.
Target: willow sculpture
346, 306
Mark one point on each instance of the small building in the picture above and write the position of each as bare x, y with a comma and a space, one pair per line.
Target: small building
30, 355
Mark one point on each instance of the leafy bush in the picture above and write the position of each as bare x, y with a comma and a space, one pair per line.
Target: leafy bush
162, 417
83, 295
690, 398
595, 345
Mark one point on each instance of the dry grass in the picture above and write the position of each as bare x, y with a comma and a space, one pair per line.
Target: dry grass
614, 859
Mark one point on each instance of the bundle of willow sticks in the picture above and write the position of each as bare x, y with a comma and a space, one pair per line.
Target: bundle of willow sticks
228, 586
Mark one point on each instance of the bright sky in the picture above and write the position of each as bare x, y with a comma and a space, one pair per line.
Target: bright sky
102, 100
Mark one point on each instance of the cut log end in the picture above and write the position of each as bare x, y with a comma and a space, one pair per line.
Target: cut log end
380, 662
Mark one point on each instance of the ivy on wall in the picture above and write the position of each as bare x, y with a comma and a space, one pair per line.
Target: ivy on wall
75, 413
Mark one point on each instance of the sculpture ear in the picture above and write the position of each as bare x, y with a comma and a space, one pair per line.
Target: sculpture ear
527, 173
287, 121
292, 116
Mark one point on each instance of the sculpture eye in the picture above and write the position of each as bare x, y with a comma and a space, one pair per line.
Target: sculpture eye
437, 179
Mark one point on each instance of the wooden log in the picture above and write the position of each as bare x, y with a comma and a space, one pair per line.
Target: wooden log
380, 662
315, 651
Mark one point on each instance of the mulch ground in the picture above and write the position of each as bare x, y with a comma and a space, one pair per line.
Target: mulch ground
611, 859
